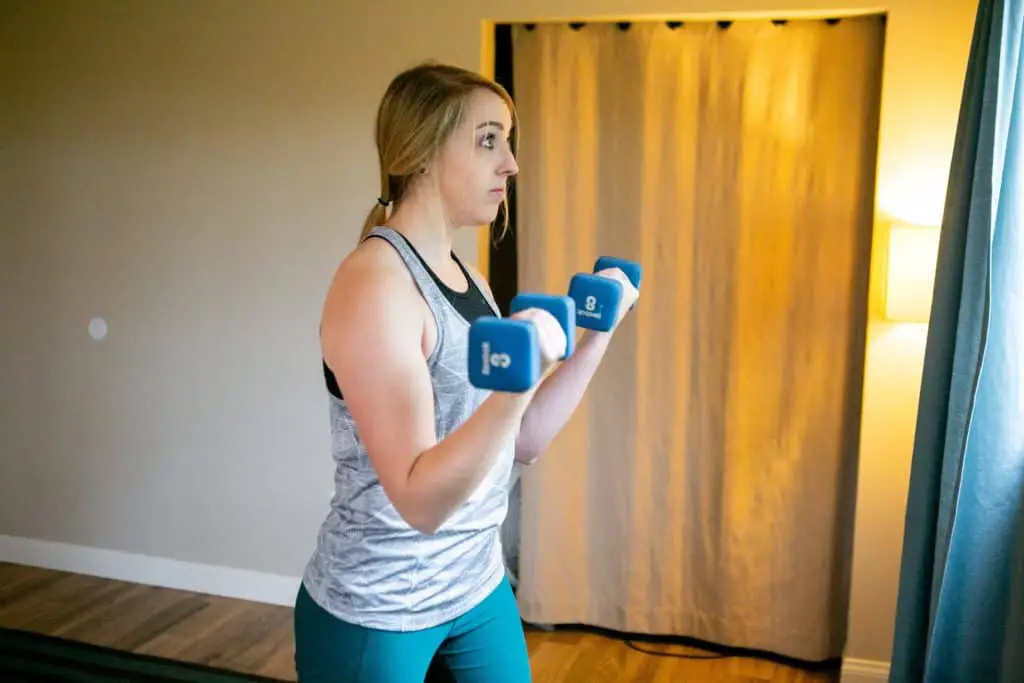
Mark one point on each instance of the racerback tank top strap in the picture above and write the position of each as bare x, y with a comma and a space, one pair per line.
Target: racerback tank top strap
424, 282
441, 305
420, 274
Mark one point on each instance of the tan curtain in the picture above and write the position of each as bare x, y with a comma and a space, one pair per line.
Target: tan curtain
705, 487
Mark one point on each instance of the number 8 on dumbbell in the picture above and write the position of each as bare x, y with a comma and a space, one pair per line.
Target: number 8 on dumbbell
498, 360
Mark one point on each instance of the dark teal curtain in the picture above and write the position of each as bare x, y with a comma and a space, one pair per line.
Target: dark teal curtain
960, 615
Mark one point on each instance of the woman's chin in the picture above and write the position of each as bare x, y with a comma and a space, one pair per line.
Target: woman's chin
484, 218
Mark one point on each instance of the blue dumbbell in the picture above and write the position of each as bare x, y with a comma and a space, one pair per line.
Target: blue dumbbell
597, 298
504, 354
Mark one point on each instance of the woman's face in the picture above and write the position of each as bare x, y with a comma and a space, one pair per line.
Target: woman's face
476, 162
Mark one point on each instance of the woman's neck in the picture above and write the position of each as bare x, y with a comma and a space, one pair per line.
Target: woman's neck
424, 223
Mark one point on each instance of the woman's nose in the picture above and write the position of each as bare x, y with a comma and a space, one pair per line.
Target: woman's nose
509, 167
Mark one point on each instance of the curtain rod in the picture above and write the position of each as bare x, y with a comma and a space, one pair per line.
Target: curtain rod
722, 24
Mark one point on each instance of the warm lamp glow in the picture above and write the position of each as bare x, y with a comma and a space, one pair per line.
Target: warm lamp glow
910, 276
915, 190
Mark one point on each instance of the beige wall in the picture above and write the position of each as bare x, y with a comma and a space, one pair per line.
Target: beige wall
193, 171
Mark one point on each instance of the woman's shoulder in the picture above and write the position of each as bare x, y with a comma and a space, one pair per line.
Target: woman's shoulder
373, 269
369, 283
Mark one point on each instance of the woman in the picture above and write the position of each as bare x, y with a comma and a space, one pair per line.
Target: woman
408, 562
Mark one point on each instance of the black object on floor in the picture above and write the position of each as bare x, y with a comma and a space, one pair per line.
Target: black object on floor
27, 656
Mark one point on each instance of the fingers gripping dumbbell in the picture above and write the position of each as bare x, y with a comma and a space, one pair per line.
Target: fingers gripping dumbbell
563, 308
598, 298
505, 354
631, 269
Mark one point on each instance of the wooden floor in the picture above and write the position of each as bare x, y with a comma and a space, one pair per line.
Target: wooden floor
257, 638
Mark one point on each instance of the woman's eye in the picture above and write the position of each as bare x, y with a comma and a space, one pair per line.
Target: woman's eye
488, 140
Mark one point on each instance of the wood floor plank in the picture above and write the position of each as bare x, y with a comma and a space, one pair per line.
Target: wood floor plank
256, 638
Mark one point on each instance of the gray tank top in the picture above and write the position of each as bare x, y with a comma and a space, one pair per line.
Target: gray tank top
369, 566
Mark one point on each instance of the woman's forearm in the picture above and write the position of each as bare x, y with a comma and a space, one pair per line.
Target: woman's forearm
445, 476
558, 396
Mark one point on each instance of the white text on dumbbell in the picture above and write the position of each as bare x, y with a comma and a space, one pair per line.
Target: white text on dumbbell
495, 360
589, 309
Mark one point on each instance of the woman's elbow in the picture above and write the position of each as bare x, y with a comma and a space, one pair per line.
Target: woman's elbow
526, 455
425, 527
425, 521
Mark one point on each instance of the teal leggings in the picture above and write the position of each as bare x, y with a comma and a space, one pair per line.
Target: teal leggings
485, 645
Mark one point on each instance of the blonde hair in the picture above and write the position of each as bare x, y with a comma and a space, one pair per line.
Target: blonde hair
420, 109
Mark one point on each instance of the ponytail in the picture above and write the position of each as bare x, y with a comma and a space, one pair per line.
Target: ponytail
379, 213
378, 216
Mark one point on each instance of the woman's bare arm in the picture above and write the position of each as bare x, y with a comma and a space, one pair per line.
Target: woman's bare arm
558, 397
372, 338
561, 392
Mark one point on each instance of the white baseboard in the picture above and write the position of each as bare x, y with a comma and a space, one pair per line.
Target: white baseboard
243, 584
863, 671
153, 571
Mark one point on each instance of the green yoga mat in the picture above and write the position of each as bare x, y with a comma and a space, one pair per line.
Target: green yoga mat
26, 656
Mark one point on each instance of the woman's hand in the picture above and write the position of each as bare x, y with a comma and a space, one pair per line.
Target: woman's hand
630, 294
551, 338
